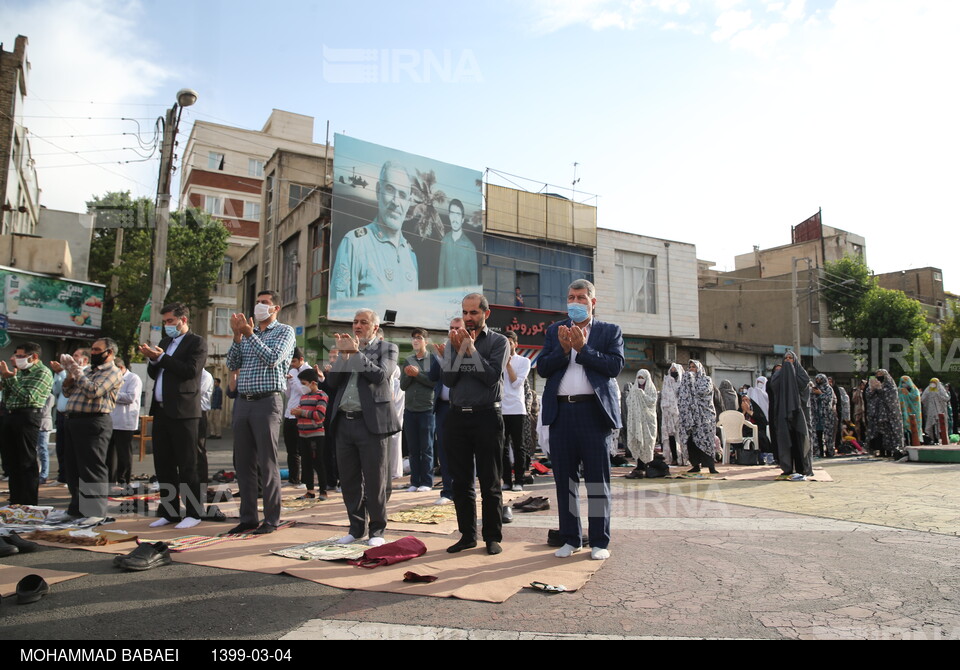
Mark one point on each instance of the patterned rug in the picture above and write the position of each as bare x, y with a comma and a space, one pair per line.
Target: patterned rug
426, 514
324, 550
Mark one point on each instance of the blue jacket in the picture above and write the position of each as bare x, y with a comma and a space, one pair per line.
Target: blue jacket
602, 359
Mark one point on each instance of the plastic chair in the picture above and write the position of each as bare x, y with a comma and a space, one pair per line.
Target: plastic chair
731, 423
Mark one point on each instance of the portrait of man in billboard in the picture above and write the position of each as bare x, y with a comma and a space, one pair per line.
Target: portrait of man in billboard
377, 258
458, 255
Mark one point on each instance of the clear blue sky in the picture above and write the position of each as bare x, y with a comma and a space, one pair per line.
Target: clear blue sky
720, 123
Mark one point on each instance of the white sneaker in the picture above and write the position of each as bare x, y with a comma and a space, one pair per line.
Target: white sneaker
346, 539
424, 489
443, 501
505, 488
516, 487
412, 489
302, 487
566, 551
599, 554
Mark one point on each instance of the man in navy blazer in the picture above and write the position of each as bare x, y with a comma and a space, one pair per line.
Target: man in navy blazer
580, 360
176, 366
362, 416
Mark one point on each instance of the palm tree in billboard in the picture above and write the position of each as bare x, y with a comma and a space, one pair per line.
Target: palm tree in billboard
429, 201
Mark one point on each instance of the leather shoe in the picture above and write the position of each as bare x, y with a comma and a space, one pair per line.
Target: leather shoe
264, 529
146, 557
461, 546
494, 548
7, 549
31, 588
535, 505
25, 546
506, 514
241, 529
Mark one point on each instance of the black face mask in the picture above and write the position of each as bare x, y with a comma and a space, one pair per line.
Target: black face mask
879, 378
96, 360
674, 374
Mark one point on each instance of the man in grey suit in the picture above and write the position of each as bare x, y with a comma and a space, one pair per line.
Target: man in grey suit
362, 417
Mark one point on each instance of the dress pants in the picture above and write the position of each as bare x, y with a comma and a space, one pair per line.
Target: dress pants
364, 475
291, 441
256, 427
476, 438
513, 425
18, 442
312, 461
580, 436
215, 417
119, 460
418, 430
202, 469
86, 456
440, 449
175, 459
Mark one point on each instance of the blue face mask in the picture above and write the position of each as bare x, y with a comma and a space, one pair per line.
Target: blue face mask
577, 312
171, 332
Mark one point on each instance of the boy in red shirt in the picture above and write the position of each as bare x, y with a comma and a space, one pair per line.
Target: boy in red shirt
309, 415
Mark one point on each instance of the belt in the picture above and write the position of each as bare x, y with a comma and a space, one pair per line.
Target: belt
350, 415
85, 415
475, 408
256, 396
576, 398
32, 410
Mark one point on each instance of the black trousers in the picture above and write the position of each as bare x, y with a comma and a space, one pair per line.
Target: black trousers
203, 470
86, 456
312, 460
18, 444
175, 459
291, 440
469, 438
513, 425
119, 461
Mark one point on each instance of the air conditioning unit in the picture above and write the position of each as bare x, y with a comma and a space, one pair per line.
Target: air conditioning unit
666, 353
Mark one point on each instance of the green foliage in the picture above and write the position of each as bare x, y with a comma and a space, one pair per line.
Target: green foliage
845, 284
195, 249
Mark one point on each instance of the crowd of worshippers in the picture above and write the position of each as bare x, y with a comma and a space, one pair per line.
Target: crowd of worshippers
797, 418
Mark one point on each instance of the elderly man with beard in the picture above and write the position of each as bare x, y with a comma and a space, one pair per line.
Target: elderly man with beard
473, 364
363, 417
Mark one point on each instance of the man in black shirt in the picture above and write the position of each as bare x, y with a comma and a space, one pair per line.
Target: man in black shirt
473, 363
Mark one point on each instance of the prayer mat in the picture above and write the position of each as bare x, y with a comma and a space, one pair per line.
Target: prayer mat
468, 575
88, 538
324, 550
188, 542
10, 575
294, 503
696, 475
280, 526
432, 514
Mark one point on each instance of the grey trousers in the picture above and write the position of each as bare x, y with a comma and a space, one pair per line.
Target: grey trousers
256, 431
364, 476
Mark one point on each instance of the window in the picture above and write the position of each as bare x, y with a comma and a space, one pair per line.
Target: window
221, 321
254, 167
215, 161
251, 211
226, 271
298, 194
319, 243
213, 205
291, 267
636, 275
270, 196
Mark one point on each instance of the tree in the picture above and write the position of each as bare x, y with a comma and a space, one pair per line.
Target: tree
845, 284
195, 248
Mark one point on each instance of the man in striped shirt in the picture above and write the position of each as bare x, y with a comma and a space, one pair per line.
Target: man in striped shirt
261, 351
91, 397
25, 391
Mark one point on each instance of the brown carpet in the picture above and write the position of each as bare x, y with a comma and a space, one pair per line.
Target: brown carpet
11, 574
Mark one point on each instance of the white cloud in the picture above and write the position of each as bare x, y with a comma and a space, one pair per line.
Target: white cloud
730, 23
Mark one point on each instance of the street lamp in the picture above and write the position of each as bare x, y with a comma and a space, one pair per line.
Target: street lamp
185, 98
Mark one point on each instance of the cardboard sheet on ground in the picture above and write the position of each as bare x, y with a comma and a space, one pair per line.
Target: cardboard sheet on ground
11, 574
469, 575
739, 473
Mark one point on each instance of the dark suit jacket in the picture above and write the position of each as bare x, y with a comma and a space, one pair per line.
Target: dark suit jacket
374, 366
601, 358
181, 377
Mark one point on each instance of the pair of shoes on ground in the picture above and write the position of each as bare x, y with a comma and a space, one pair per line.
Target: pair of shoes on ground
596, 553
419, 489
375, 541
310, 495
14, 544
252, 529
532, 504
145, 557
493, 547
516, 488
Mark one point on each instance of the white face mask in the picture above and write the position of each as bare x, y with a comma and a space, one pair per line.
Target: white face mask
261, 312
306, 388
23, 363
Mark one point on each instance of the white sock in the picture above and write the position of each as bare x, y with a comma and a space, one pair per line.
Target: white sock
566, 551
376, 541
346, 539
599, 554
189, 522
160, 522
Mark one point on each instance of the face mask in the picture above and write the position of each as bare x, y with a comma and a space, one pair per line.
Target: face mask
674, 374
879, 378
305, 388
261, 312
578, 313
96, 360
23, 363
171, 331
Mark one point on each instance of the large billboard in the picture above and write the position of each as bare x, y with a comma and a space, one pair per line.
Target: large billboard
406, 234
36, 304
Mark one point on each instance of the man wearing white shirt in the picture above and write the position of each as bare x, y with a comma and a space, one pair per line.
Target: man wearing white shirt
514, 411
126, 419
176, 366
290, 435
206, 393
